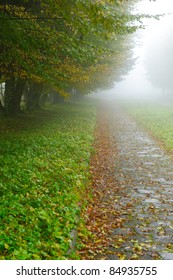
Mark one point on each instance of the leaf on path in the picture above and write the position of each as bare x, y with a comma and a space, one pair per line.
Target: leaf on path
101, 216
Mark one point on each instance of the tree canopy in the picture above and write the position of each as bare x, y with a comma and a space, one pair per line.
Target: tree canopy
61, 44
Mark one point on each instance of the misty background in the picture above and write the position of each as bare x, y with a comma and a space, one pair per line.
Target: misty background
151, 77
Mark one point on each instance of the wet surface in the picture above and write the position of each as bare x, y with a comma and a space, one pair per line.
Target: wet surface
144, 173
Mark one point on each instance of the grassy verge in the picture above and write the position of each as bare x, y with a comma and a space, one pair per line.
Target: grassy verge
157, 119
44, 168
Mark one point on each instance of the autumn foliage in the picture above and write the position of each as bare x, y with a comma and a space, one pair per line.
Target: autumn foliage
61, 49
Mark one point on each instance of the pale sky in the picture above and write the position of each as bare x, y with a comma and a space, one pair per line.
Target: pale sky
155, 7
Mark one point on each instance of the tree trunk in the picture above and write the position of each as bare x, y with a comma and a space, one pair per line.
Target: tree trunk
2, 109
14, 89
32, 95
56, 98
43, 99
19, 90
9, 97
36, 100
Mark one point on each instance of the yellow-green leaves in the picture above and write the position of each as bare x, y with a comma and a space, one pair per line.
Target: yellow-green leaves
37, 40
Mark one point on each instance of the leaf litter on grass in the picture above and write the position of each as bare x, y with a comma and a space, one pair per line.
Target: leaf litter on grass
100, 217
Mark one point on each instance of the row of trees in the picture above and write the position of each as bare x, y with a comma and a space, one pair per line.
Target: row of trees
61, 47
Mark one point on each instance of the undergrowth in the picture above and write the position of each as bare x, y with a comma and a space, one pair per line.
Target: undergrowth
44, 170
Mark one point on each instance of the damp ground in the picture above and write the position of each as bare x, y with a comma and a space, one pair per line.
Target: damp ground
136, 188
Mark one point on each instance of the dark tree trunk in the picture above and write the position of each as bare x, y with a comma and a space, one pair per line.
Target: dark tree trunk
9, 97
32, 95
14, 89
36, 100
56, 98
43, 99
19, 90
2, 109
28, 96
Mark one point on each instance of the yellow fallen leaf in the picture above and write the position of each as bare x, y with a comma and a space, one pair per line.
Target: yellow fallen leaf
122, 256
6, 246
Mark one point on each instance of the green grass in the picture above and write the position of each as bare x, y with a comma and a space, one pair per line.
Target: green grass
44, 170
157, 119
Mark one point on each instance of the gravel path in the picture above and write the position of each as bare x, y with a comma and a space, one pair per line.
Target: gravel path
144, 173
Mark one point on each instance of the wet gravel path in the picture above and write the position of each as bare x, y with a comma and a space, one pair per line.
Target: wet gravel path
144, 174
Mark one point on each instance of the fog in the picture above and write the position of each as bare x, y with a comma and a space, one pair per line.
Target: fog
152, 76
